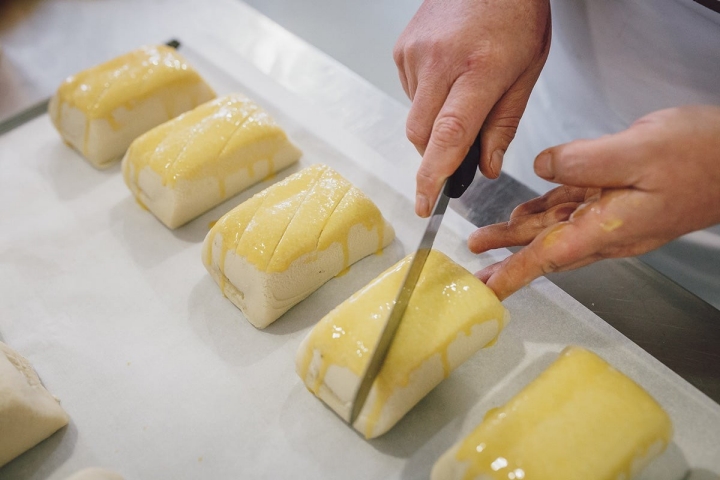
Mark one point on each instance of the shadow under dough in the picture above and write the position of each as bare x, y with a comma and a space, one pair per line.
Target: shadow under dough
70, 175
224, 329
44, 458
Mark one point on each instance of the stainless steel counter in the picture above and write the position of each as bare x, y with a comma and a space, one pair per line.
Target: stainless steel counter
44, 41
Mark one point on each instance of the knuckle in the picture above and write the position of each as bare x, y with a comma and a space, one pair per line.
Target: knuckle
425, 173
515, 224
399, 55
425, 176
416, 137
482, 56
430, 57
436, 53
505, 122
560, 214
416, 133
418, 49
549, 217
549, 266
449, 131
519, 211
503, 129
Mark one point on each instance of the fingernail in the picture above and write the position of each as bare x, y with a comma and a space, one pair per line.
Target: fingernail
422, 205
543, 166
496, 162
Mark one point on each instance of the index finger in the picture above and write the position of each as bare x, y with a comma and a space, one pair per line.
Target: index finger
454, 130
590, 235
556, 249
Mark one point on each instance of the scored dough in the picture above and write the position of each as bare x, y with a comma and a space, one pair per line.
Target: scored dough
450, 316
278, 247
194, 162
101, 110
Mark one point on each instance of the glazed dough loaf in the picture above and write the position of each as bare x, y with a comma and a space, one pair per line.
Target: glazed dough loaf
101, 110
451, 315
188, 165
278, 247
580, 418
28, 413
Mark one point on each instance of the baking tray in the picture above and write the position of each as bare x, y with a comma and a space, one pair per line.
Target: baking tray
164, 378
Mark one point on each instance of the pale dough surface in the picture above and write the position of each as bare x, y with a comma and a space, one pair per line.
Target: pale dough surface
28, 413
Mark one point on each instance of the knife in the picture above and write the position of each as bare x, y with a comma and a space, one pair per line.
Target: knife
453, 187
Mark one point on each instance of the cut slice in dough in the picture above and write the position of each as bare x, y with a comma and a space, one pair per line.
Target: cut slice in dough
580, 418
451, 315
28, 413
278, 247
101, 110
188, 165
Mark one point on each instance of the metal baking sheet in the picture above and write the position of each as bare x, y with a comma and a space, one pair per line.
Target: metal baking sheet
163, 377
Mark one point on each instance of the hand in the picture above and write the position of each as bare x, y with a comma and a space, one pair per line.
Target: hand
622, 195
467, 64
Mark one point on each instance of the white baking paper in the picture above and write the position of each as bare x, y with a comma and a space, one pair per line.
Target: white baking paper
164, 378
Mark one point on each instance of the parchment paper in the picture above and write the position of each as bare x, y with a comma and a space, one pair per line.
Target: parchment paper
164, 378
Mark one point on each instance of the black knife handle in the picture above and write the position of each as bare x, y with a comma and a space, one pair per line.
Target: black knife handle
464, 175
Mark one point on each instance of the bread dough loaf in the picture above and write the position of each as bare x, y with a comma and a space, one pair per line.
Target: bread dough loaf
192, 163
28, 413
278, 247
101, 110
450, 316
94, 473
580, 418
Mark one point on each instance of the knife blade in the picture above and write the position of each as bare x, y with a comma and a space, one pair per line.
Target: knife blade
453, 187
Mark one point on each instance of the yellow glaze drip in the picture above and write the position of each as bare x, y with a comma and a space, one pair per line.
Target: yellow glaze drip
271, 176
305, 213
447, 300
142, 205
203, 142
552, 237
86, 138
124, 81
611, 224
232, 225
580, 419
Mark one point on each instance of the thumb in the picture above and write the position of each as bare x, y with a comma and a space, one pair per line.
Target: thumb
605, 162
